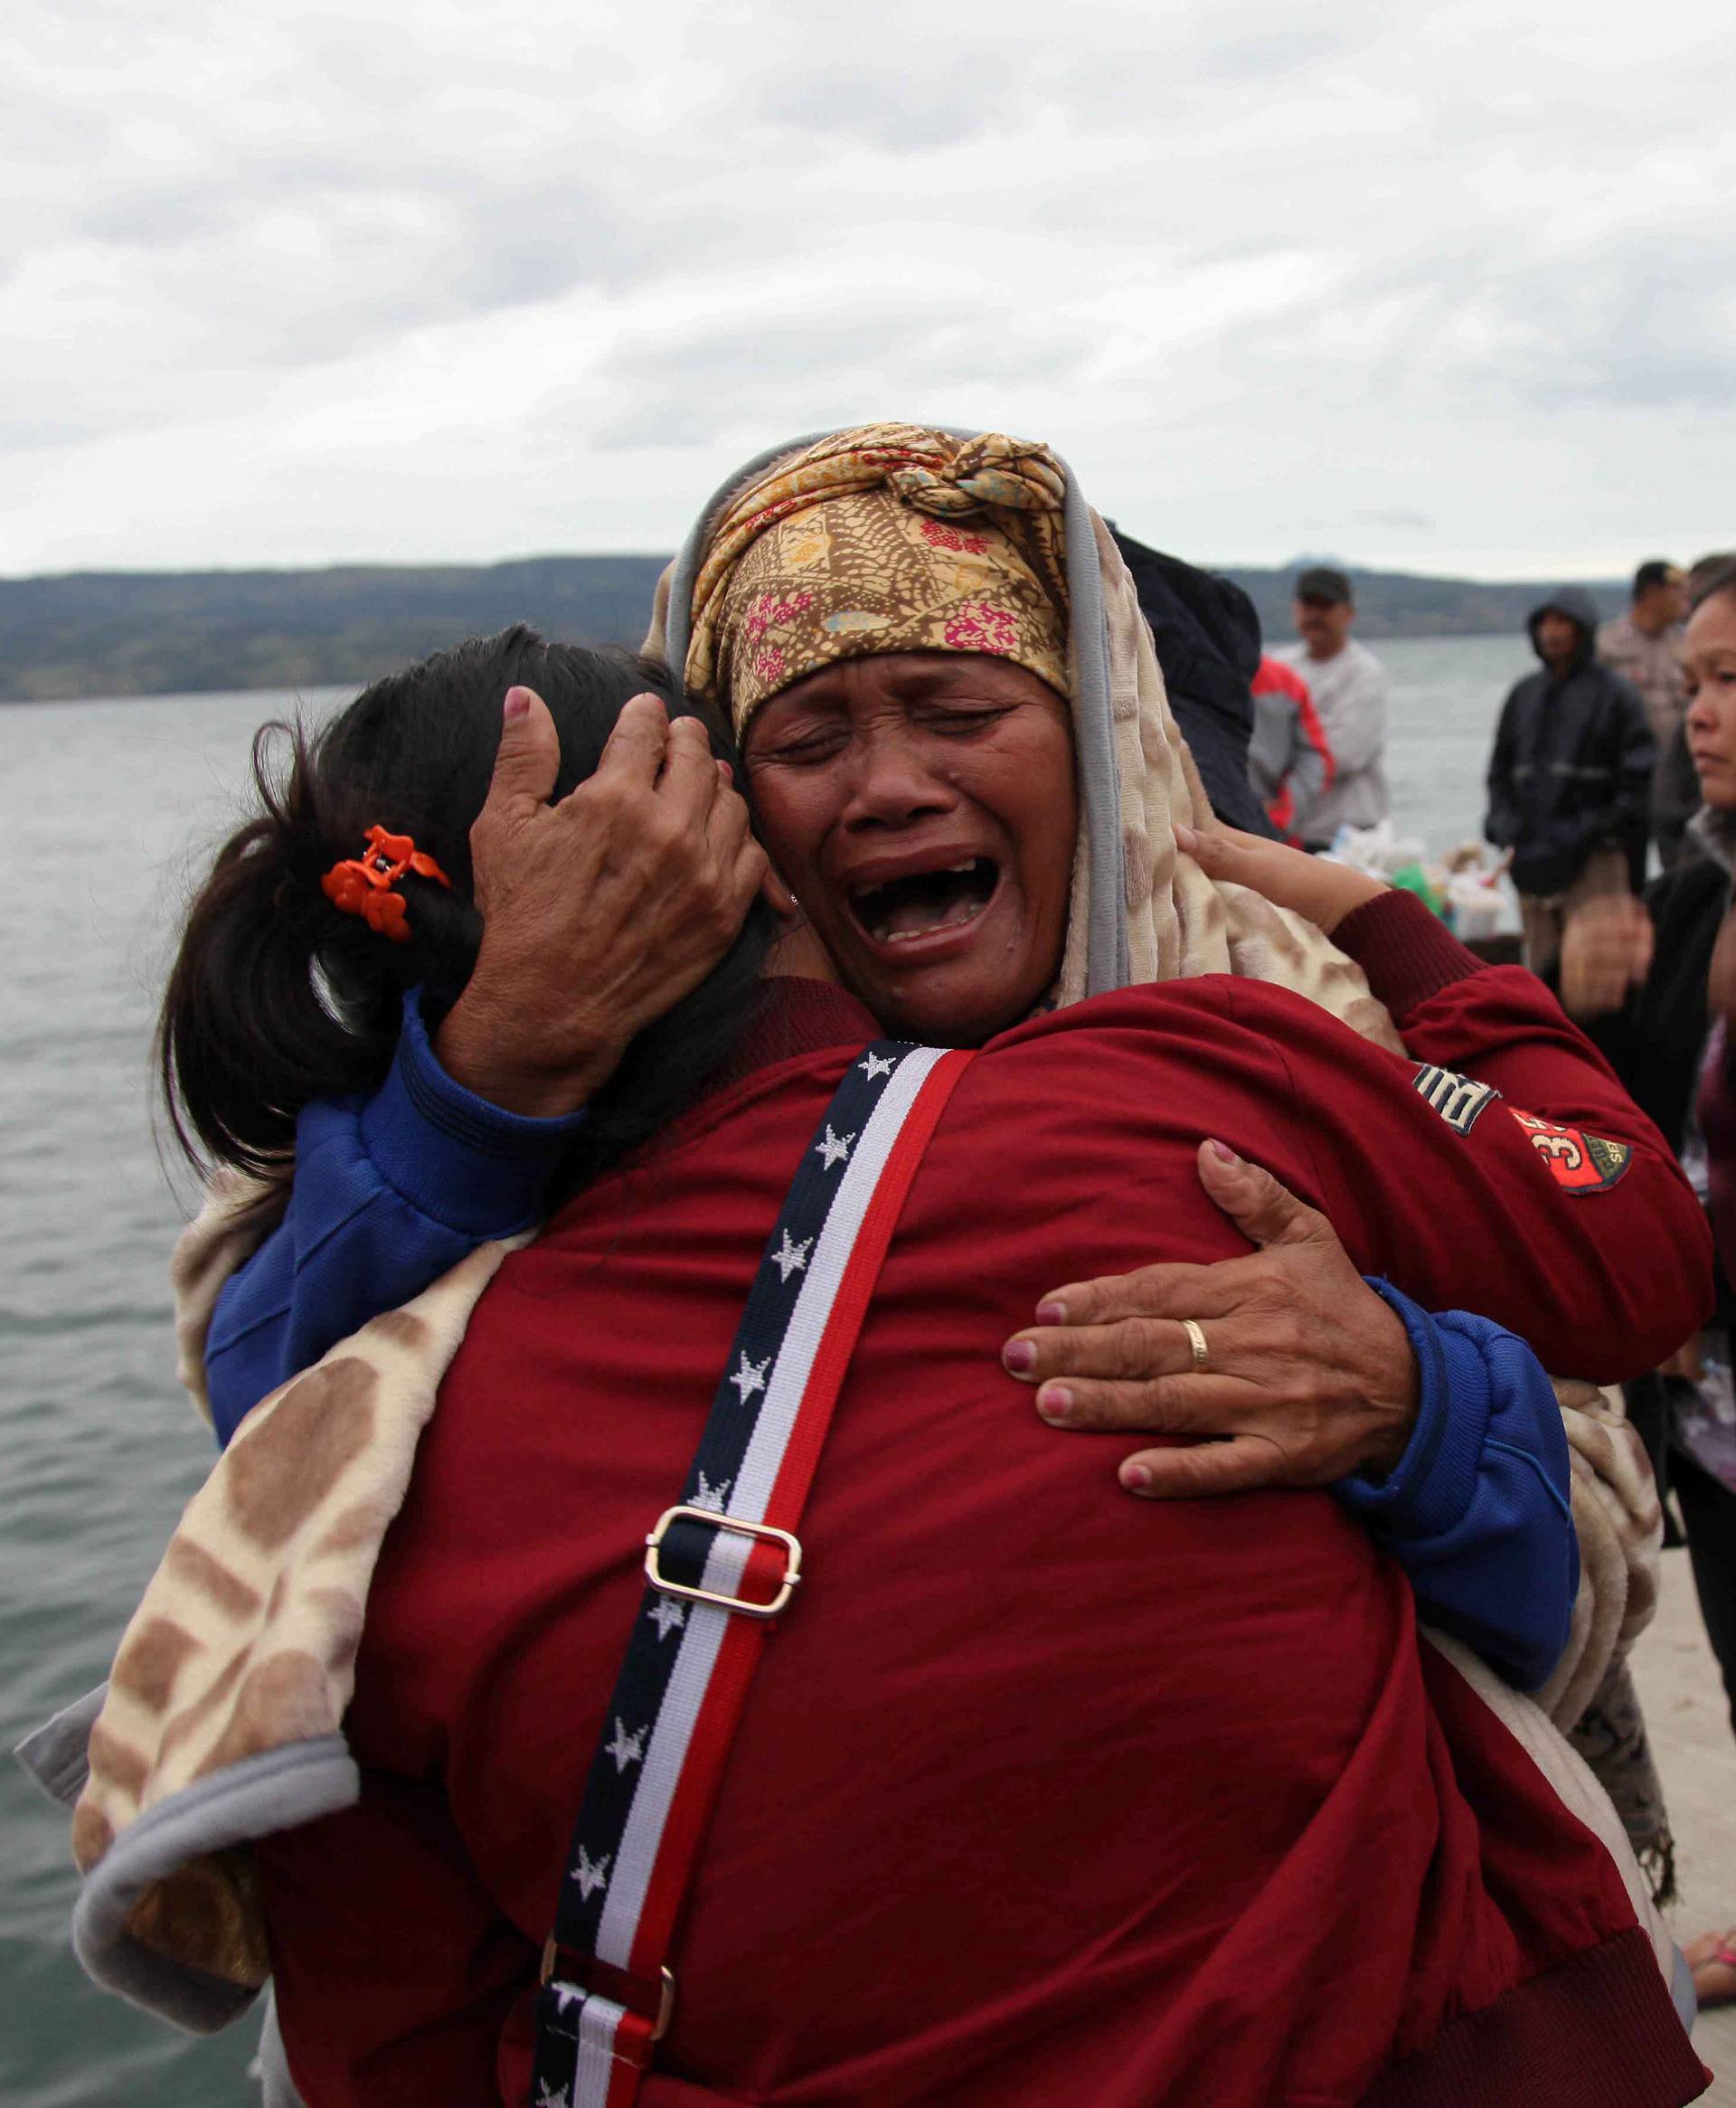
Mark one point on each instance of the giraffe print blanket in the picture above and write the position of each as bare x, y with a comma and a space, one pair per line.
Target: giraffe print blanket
242, 1650
223, 1717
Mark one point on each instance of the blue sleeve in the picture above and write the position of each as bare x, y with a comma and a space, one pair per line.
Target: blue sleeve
1479, 1510
390, 1191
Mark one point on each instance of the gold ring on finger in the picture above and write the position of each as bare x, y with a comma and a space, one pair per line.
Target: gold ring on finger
1196, 1340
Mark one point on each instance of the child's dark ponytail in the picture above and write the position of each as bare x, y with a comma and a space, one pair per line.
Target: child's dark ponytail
278, 996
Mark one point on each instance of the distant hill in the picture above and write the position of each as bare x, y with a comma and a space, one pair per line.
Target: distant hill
152, 633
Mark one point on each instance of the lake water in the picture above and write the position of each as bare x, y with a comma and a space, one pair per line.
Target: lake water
104, 808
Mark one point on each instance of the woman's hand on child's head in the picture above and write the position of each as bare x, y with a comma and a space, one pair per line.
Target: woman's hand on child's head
1321, 891
600, 913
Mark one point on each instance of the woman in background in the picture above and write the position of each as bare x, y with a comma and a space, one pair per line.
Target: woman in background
1654, 985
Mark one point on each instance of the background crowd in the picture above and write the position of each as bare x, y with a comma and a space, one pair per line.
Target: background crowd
1613, 758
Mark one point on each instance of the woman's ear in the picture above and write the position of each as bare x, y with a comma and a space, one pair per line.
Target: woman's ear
799, 955
778, 897
797, 951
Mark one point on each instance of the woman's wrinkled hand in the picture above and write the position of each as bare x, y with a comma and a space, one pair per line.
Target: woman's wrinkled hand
1320, 891
599, 911
1309, 1375
1605, 948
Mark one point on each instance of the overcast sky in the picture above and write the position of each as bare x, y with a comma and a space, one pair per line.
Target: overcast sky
1443, 290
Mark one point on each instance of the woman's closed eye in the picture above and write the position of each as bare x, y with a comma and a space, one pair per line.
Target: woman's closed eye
961, 723
819, 743
808, 746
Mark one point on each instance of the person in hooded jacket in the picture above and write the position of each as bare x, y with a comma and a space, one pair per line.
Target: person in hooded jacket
1570, 779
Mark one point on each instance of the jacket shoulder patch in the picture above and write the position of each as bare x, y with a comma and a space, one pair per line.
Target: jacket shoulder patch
1578, 1162
1458, 1099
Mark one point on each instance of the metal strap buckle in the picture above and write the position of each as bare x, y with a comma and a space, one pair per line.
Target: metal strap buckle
764, 1532
553, 1953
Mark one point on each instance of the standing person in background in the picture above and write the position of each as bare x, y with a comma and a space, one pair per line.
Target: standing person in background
1570, 777
1676, 784
1289, 761
1348, 685
1645, 647
1654, 984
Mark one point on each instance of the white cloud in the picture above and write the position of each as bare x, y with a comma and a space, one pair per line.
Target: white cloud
279, 286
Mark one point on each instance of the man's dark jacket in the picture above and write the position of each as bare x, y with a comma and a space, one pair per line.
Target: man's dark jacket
1571, 771
1207, 639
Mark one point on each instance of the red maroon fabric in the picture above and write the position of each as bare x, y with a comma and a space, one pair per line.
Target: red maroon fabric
1570, 2037
1042, 1794
1408, 953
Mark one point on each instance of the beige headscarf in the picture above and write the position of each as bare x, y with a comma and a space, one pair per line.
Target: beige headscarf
1139, 912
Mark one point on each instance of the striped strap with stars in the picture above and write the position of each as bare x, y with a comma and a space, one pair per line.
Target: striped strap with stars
720, 1563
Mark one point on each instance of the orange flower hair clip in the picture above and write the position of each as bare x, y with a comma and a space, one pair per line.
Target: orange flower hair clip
363, 885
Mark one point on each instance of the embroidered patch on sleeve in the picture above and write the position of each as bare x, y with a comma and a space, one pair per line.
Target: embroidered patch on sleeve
1578, 1162
1458, 1099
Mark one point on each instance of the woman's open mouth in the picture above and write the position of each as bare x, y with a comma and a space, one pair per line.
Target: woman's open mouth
920, 904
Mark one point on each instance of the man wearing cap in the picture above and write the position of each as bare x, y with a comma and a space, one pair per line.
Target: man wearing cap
1348, 685
1645, 647
1570, 779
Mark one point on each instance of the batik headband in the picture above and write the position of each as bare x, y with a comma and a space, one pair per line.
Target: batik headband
888, 538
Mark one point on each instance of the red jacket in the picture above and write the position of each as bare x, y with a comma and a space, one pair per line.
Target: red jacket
1044, 1795
1290, 757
